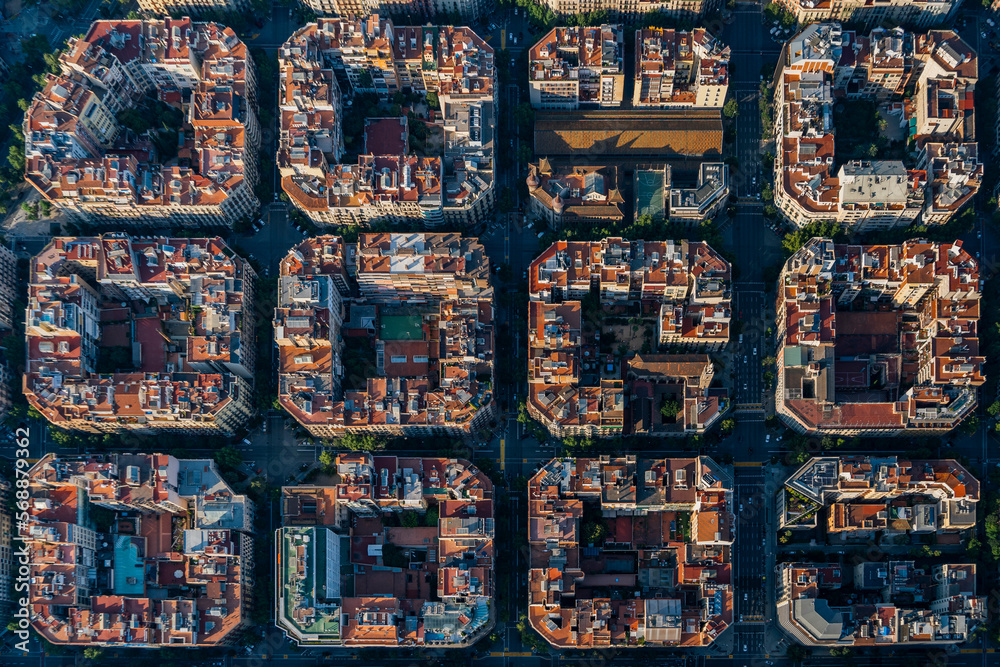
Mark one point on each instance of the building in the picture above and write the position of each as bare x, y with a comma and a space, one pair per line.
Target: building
9, 290
679, 136
911, 13
82, 159
7, 568
824, 63
631, 12
627, 552
878, 340
324, 64
684, 286
137, 551
195, 7
682, 379
706, 197
859, 497
348, 575
574, 195
576, 67
471, 11
897, 604
140, 335
676, 68
392, 336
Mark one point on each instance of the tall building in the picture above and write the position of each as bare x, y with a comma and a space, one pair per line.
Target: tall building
323, 65
676, 68
910, 13
824, 62
143, 335
137, 551
471, 11
392, 336
195, 7
82, 159
9, 290
347, 574
878, 340
576, 67
627, 552
7, 568
627, 11
683, 286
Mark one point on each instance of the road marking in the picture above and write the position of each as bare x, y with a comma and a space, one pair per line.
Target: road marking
748, 464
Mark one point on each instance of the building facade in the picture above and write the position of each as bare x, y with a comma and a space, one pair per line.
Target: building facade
324, 64
910, 13
331, 592
140, 335
670, 520
878, 340
80, 157
677, 68
171, 566
577, 67
391, 336
824, 62
683, 287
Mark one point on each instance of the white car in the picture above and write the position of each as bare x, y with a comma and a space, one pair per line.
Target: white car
510, 36
755, 352
767, 438
515, 11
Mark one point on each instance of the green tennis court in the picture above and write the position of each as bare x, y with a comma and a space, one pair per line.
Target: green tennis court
401, 327
649, 193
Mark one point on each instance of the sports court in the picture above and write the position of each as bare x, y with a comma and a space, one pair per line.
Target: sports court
649, 193
401, 327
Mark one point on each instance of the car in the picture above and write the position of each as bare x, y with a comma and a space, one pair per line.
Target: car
525, 274
515, 11
246, 441
755, 352
510, 36
745, 594
515, 39
745, 358
257, 472
745, 649
741, 509
755, 180
512, 62
983, 35
767, 438
744, 386
275, 196
541, 234
979, 234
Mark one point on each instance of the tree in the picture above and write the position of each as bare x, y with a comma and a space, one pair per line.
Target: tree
728, 426
92, 653
994, 409
362, 442
669, 409
432, 100
61, 437
410, 520
326, 459
228, 458
431, 518
732, 108
594, 532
